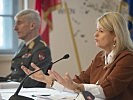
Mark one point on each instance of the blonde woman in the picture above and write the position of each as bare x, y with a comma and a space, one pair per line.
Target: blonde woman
110, 75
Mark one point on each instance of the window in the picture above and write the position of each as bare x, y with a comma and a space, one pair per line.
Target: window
8, 38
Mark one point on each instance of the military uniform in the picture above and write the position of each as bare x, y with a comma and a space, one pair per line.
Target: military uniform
37, 52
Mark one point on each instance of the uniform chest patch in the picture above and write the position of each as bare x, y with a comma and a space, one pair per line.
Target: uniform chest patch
27, 55
41, 56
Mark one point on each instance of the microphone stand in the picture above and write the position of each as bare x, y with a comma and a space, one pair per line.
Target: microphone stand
19, 97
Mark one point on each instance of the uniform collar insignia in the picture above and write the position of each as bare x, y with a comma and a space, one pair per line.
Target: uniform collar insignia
31, 45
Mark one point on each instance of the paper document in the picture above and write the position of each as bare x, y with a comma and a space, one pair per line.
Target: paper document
39, 94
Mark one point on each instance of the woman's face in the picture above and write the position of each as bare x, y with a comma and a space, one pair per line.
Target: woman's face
104, 39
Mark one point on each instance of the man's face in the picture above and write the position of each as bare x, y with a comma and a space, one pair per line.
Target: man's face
22, 27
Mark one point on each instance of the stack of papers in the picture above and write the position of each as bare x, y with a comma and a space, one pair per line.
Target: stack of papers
9, 85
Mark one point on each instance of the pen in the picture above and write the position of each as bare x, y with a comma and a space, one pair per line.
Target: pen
41, 95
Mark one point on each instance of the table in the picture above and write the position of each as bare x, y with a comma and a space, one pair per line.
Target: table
38, 94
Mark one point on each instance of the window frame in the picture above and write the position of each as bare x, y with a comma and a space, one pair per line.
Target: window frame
14, 35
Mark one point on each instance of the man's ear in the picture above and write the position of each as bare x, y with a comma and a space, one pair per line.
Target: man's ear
32, 26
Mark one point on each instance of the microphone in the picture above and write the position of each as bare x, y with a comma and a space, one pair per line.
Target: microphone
19, 97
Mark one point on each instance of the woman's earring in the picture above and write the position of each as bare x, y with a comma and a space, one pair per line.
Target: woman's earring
114, 45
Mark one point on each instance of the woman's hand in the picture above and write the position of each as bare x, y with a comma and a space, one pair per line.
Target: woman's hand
66, 81
39, 76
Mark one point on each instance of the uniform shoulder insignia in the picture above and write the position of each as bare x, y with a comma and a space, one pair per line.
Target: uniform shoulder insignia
31, 45
43, 42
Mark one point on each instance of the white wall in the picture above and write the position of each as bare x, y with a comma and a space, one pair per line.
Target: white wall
84, 26
83, 15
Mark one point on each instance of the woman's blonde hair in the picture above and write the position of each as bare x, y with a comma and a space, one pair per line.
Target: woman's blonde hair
114, 22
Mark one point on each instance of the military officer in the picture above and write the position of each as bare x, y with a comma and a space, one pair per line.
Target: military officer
27, 25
